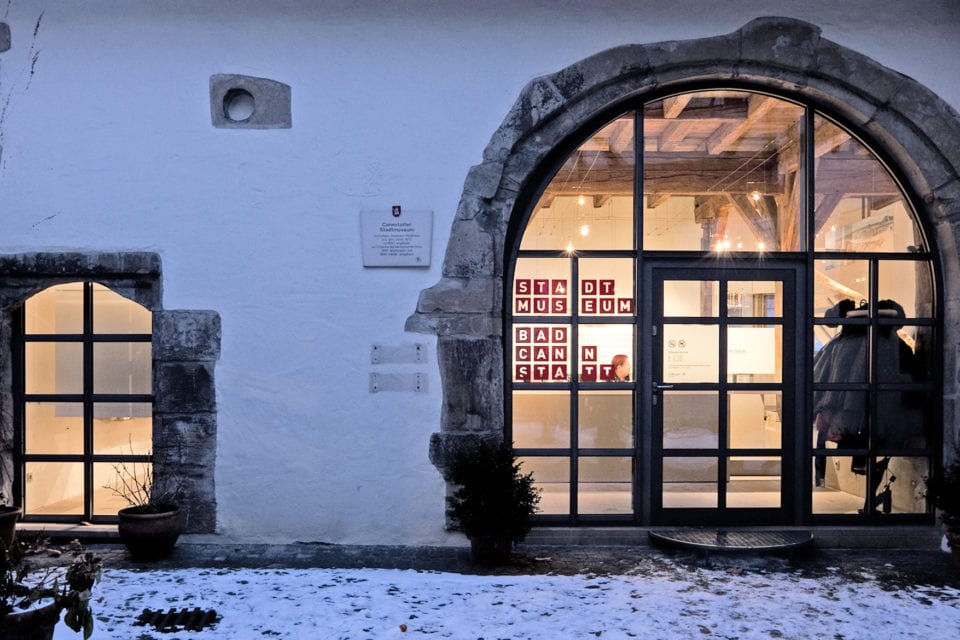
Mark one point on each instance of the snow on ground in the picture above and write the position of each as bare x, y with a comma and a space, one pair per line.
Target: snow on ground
662, 602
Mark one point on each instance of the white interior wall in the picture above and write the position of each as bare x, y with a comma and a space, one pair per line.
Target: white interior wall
109, 145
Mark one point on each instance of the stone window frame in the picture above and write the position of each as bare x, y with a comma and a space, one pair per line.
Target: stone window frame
185, 345
908, 125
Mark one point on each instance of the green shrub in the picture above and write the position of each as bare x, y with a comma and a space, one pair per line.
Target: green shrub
494, 498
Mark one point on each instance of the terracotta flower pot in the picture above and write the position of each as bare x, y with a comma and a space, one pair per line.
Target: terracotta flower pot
150, 534
34, 624
8, 524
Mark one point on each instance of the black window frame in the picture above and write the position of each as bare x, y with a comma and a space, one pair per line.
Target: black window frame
88, 338
524, 209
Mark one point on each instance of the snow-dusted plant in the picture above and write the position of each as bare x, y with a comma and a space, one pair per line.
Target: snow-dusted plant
24, 585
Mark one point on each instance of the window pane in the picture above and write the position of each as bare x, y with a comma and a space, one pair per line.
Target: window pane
53, 367
541, 353
54, 488
54, 427
691, 298
112, 313
898, 479
541, 419
909, 283
754, 419
841, 416
691, 419
897, 362
858, 207
919, 341
606, 287
541, 287
754, 353
589, 202
605, 419
895, 485
842, 490
844, 358
605, 352
904, 419
605, 485
721, 170
58, 309
122, 428
690, 353
690, 482
753, 482
552, 477
122, 367
755, 299
839, 286
108, 476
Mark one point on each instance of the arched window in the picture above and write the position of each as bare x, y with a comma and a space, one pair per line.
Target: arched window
83, 399
739, 189
722, 309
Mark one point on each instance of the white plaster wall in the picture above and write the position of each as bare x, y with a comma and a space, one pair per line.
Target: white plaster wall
109, 145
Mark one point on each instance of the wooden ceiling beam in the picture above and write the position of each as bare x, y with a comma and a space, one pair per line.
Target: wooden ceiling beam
674, 106
690, 175
760, 215
724, 138
674, 135
620, 137
654, 200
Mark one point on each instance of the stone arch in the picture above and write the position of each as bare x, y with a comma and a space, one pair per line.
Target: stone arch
912, 128
186, 345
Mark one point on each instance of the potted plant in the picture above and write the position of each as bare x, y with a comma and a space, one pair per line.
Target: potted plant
944, 491
33, 597
8, 520
494, 503
153, 522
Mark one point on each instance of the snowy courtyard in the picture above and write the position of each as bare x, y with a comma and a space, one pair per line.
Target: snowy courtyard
658, 599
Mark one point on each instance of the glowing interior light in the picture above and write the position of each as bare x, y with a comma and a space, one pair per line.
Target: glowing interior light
580, 201
761, 246
755, 195
585, 230
570, 247
739, 245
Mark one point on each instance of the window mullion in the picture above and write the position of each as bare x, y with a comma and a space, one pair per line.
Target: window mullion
88, 366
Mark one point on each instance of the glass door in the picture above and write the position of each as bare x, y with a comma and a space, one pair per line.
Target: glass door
723, 395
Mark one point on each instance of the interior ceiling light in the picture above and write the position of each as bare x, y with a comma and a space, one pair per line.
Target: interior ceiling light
581, 200
584, 230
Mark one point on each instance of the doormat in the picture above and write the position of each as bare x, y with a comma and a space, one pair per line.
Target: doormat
173, 620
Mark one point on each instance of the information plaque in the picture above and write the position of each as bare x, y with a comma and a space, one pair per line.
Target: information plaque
396, 238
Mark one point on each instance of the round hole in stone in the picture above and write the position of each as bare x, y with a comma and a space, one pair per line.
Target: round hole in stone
238, 105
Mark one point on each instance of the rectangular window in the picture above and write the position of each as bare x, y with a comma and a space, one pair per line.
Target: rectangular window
87, 399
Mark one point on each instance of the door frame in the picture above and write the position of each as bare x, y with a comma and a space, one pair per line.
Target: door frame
796, 446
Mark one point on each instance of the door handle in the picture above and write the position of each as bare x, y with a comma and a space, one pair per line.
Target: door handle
660, 387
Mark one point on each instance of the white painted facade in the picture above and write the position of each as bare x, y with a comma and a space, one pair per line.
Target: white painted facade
108, 146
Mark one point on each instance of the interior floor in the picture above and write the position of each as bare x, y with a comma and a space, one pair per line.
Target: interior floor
745, 493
